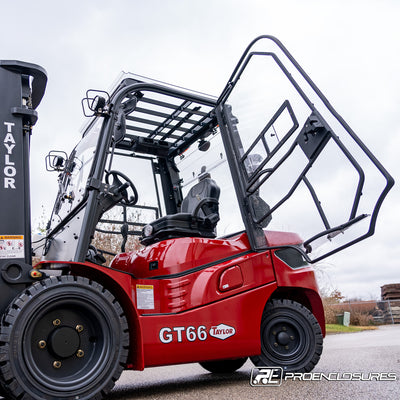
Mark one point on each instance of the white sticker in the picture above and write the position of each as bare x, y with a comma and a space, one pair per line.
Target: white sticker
192, 333
222, 331
145, 297
12, 246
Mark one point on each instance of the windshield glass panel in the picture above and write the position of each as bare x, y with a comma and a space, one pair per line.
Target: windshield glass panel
72, 190
214, 162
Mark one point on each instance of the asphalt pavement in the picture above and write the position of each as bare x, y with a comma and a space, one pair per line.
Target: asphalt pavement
371, 355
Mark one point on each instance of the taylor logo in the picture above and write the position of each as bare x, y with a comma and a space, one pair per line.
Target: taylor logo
9, 164
222, 331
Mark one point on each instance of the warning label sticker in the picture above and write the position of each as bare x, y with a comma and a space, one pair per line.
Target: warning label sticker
145, 297
12, 246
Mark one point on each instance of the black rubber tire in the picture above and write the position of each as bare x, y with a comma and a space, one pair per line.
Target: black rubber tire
223, 366
63, 338
291, 337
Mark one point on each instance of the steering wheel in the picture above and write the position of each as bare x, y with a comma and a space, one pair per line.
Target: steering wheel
121, 187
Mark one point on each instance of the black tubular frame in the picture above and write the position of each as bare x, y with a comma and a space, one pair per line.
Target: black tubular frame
161, 122
126, 221
245, 186
125, 224
163, 146
173, 143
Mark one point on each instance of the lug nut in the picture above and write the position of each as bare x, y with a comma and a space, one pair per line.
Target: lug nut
42, 344
276, 344
274, 333
79, 328
291, 337
56, 322
56, 364
80, 353
284, 328
287, 347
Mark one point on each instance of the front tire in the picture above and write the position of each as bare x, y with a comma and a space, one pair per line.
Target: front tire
291, 337
63, 338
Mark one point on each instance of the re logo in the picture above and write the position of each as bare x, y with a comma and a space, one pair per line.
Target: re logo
266, 376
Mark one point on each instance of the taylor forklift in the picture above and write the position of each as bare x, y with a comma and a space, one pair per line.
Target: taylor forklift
215, 274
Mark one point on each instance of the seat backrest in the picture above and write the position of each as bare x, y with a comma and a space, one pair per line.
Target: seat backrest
205, 194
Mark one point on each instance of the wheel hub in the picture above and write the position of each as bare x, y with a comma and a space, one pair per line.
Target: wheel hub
64, 342
282, 338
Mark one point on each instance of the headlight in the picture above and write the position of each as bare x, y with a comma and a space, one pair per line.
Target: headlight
147, 230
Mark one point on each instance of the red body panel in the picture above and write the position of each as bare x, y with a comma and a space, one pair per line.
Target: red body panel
196, 299
186, 276
178, 255
177, 294
188, 337
304, 279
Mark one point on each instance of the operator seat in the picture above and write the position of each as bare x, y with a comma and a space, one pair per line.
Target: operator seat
198, 217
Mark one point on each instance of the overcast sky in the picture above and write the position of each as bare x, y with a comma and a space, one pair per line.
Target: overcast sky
349, 48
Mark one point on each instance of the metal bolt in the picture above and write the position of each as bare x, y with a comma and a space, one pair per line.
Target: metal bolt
35, 274
291, 337
284, 328
274, 333
57, 364
42, 344
287, 347
56, 322
276, 344
80, 353
79, 328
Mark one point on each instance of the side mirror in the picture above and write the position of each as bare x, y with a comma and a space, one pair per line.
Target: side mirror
56, 160
119, 127
95, 102
126, 108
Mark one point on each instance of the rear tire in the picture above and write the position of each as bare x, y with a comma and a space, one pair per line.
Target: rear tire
63, 338
223, 366
291, 337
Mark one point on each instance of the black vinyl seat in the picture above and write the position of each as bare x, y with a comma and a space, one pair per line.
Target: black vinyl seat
198, 217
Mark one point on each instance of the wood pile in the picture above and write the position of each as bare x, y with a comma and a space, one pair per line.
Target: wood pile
391, 292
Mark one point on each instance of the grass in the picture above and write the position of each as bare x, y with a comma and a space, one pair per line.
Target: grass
335, 328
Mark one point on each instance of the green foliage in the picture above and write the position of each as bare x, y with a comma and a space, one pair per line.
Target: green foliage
335, 328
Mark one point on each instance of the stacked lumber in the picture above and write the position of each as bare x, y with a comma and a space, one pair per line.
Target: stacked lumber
391, 292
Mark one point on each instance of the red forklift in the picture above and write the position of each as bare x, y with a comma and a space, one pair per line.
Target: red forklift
198, 197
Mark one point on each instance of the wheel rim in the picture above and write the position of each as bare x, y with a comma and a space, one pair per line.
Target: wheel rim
67, 345
286, 340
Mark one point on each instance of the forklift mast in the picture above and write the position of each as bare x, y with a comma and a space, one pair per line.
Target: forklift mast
22, 87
